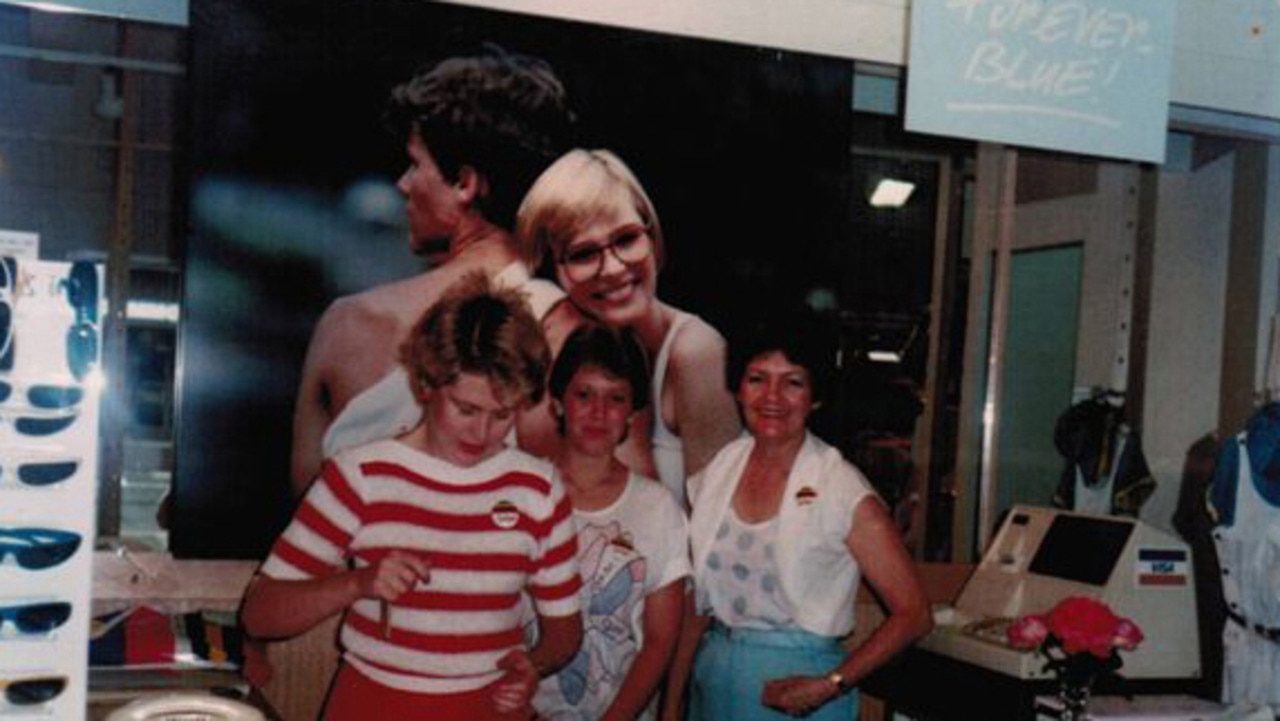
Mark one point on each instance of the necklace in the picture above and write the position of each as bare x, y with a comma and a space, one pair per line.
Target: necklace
597, 492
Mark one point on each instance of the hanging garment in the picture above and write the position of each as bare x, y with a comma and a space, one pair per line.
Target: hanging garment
1106, 471
1247, 540
1194, 522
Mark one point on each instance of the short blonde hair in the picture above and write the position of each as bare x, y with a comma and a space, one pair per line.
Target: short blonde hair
477, 328
573, 191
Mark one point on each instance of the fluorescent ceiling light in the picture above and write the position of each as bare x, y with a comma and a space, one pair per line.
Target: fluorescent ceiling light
890, 193
884, 356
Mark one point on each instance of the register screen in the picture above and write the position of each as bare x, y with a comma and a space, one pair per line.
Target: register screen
1081, 549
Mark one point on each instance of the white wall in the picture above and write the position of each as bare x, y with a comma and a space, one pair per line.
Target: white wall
1269, 288
1097, 221
1215, 39
1226, 52
1226, 56
873, 30
1185, 334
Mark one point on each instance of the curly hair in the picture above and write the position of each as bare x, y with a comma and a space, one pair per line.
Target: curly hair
503, 114
805, 338
477, 328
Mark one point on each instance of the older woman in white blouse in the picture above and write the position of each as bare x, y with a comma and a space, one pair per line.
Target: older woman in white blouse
783, 530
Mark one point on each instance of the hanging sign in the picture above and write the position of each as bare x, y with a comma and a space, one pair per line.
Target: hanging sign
1082, 76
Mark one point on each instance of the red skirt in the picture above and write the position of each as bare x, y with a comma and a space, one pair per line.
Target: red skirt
356, 697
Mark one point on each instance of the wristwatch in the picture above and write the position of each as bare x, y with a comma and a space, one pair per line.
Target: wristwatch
837, 679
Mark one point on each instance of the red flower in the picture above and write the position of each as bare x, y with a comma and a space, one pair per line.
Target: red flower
1028, 632
1083, 624
1079, 638
1128, 635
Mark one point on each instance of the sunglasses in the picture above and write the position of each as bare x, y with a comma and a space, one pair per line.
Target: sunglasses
38, 548
39, 425
31, 691
81, 287
34, 618
35, 470
43, 395
8, 281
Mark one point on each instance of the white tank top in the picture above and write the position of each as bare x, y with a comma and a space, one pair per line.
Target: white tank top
668, 449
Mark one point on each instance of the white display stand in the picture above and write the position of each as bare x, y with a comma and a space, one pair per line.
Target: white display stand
50, 340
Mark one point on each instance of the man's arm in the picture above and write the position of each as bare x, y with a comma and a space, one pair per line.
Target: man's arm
353, 346
312, 412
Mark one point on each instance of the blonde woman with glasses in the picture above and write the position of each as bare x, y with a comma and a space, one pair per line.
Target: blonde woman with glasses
589, 219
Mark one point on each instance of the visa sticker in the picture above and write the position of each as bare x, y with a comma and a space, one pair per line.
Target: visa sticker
1162, 567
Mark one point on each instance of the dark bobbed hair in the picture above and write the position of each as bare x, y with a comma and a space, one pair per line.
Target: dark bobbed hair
503, 114
800, 334
476, 328
613, 350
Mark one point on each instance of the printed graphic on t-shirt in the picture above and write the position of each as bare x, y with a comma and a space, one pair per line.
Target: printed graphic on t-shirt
613, 574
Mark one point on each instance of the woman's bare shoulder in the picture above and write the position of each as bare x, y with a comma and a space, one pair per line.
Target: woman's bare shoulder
563, 318
697, 342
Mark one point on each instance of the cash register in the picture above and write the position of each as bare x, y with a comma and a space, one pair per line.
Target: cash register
1040, 556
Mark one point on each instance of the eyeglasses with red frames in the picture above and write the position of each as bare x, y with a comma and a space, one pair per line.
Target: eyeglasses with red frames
630, 244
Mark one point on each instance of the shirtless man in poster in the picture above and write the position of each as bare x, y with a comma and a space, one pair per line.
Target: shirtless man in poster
477, 130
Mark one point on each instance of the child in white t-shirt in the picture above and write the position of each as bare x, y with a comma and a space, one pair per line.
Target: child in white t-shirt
632, 537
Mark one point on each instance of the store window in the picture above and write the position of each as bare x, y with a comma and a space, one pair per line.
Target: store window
92, 123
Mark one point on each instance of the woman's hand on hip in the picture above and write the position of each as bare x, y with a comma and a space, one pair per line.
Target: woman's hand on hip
798, 695
515, 689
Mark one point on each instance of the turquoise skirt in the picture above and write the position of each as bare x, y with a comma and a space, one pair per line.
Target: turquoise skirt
733, 666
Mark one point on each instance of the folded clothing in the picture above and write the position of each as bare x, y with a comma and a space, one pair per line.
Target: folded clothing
142, 637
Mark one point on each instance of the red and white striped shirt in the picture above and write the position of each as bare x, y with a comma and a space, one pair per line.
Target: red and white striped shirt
489, 531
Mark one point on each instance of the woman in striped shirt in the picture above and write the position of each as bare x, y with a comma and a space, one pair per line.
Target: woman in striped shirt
426, 541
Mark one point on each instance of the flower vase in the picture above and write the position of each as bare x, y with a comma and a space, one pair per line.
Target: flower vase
1074, 696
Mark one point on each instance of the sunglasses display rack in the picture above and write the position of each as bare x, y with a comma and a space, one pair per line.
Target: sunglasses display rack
50, 387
